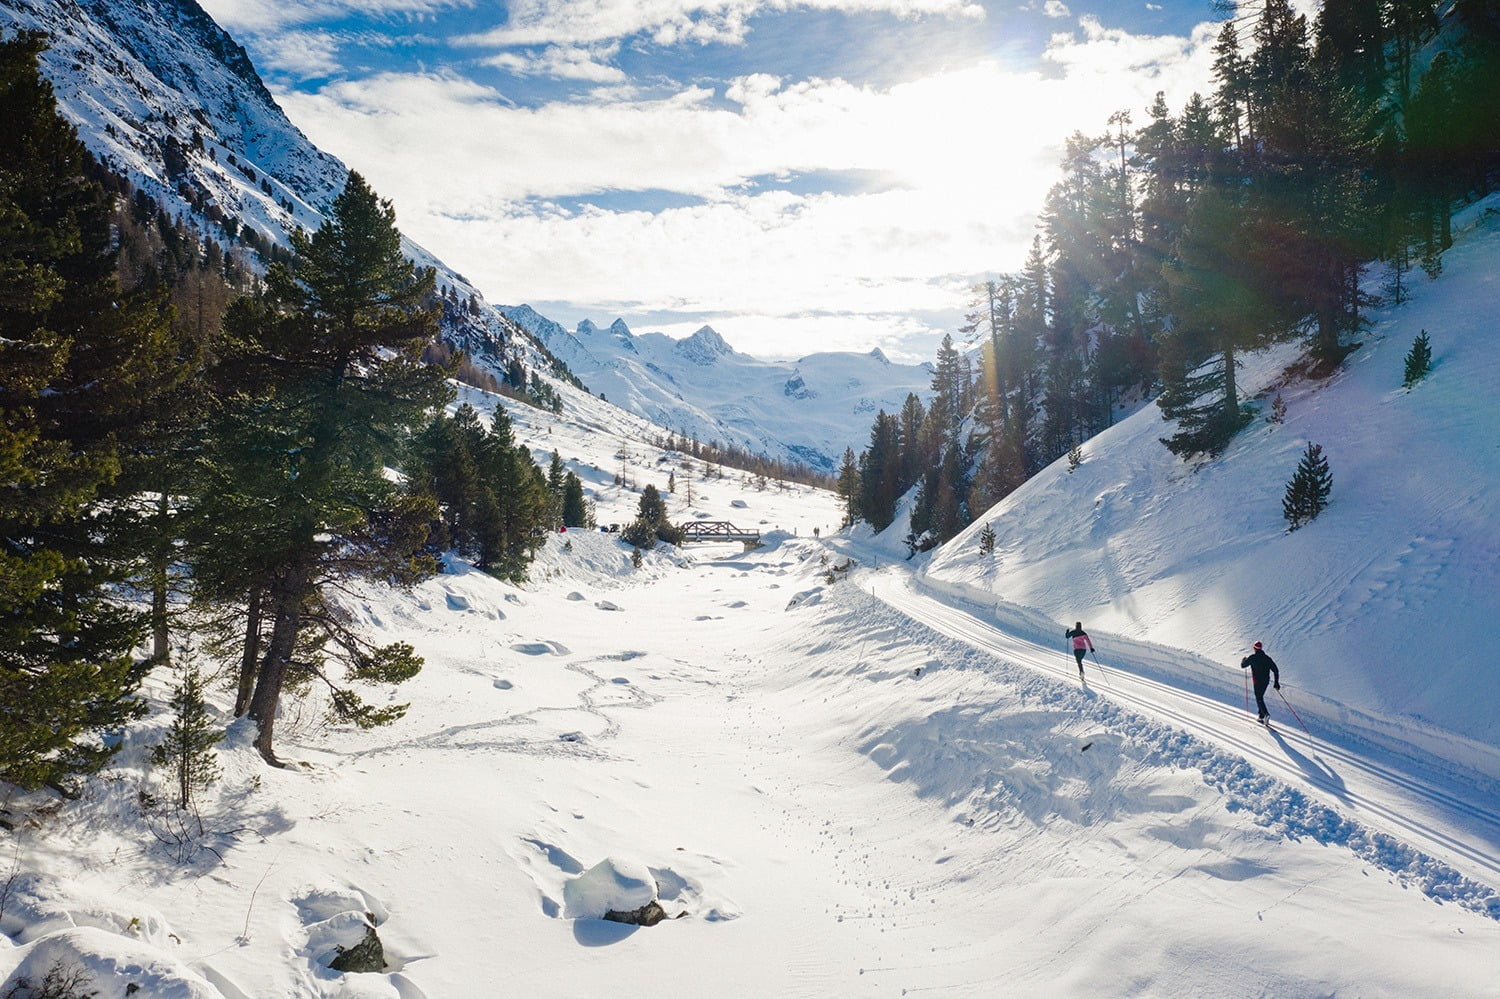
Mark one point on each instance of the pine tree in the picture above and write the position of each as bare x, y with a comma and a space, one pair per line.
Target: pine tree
188, 749
987, 540
575, 511
514, 515
848, 488
879, 471
555, 477
1418, 360
328, 384
1307, 492
651, 524
1221, 306
79, 361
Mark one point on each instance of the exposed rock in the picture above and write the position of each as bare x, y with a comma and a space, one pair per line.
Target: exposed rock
647, 915
367, 955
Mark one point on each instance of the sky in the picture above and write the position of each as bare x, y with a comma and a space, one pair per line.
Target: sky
802, 176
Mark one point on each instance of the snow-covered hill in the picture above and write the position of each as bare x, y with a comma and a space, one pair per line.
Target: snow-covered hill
1385, 605
167, 99
807, 411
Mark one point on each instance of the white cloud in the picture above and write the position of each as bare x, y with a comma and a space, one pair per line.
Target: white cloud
1113, 57
562, 63
972, 153
673, 22
271, 16
1056, 8
303, 54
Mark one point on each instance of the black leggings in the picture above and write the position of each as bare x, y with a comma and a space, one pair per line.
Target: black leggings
1078, 654
1260, 696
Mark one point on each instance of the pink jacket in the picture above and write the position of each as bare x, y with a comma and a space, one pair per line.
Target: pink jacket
1082, 642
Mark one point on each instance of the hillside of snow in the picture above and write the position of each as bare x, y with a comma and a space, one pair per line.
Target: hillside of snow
808, 411
835, 774
825, 797
1383, 606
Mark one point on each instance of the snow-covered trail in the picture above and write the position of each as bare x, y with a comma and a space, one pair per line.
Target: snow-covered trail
1454, 817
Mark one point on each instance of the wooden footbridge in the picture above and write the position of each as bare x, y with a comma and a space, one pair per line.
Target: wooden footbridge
719, 530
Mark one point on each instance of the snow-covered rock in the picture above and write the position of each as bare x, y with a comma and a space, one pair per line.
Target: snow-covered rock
612, 885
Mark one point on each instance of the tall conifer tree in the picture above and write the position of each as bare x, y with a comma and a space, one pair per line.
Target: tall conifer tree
78, 360
329, 383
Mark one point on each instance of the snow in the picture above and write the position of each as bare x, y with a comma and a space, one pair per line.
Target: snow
808, 411
612, 885
879, 780
1376, 604
850, 774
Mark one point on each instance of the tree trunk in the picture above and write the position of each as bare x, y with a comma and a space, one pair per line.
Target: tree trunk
287, 597
251, 653
160, 650
1231, 391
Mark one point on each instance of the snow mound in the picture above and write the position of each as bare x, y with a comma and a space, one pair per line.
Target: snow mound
612, 885
108, 965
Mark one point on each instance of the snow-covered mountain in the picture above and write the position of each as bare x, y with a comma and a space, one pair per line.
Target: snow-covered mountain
809, 410
165, 97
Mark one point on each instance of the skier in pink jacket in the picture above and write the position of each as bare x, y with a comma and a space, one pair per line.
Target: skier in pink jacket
1081, 643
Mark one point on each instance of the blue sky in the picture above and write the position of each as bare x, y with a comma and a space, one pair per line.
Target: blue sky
825, 175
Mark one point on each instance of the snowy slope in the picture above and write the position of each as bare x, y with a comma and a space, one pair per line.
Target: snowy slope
835, 794
599, 442
1384, 605
808, 411
162, 94
168, 100
832, 800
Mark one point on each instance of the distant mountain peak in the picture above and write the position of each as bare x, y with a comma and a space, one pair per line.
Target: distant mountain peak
704, 347
879, 355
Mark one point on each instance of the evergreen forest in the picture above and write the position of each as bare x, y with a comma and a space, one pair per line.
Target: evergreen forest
195, 448
1178, 240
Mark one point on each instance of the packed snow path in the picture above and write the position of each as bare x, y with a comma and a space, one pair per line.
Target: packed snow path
1428, 803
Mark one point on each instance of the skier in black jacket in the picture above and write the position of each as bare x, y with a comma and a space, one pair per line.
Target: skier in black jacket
1261, 667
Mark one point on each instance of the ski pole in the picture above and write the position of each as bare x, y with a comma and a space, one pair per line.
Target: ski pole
1101, 670
1292, 710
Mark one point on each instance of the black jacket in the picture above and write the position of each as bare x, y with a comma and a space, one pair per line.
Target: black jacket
1261, 667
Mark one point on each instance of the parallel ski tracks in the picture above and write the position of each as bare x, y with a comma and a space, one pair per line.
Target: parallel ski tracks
1459, 831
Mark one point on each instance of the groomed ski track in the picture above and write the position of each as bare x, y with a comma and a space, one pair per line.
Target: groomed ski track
1445, 810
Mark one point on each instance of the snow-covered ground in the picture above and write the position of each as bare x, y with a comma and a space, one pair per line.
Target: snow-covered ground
835, 799
885, 781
